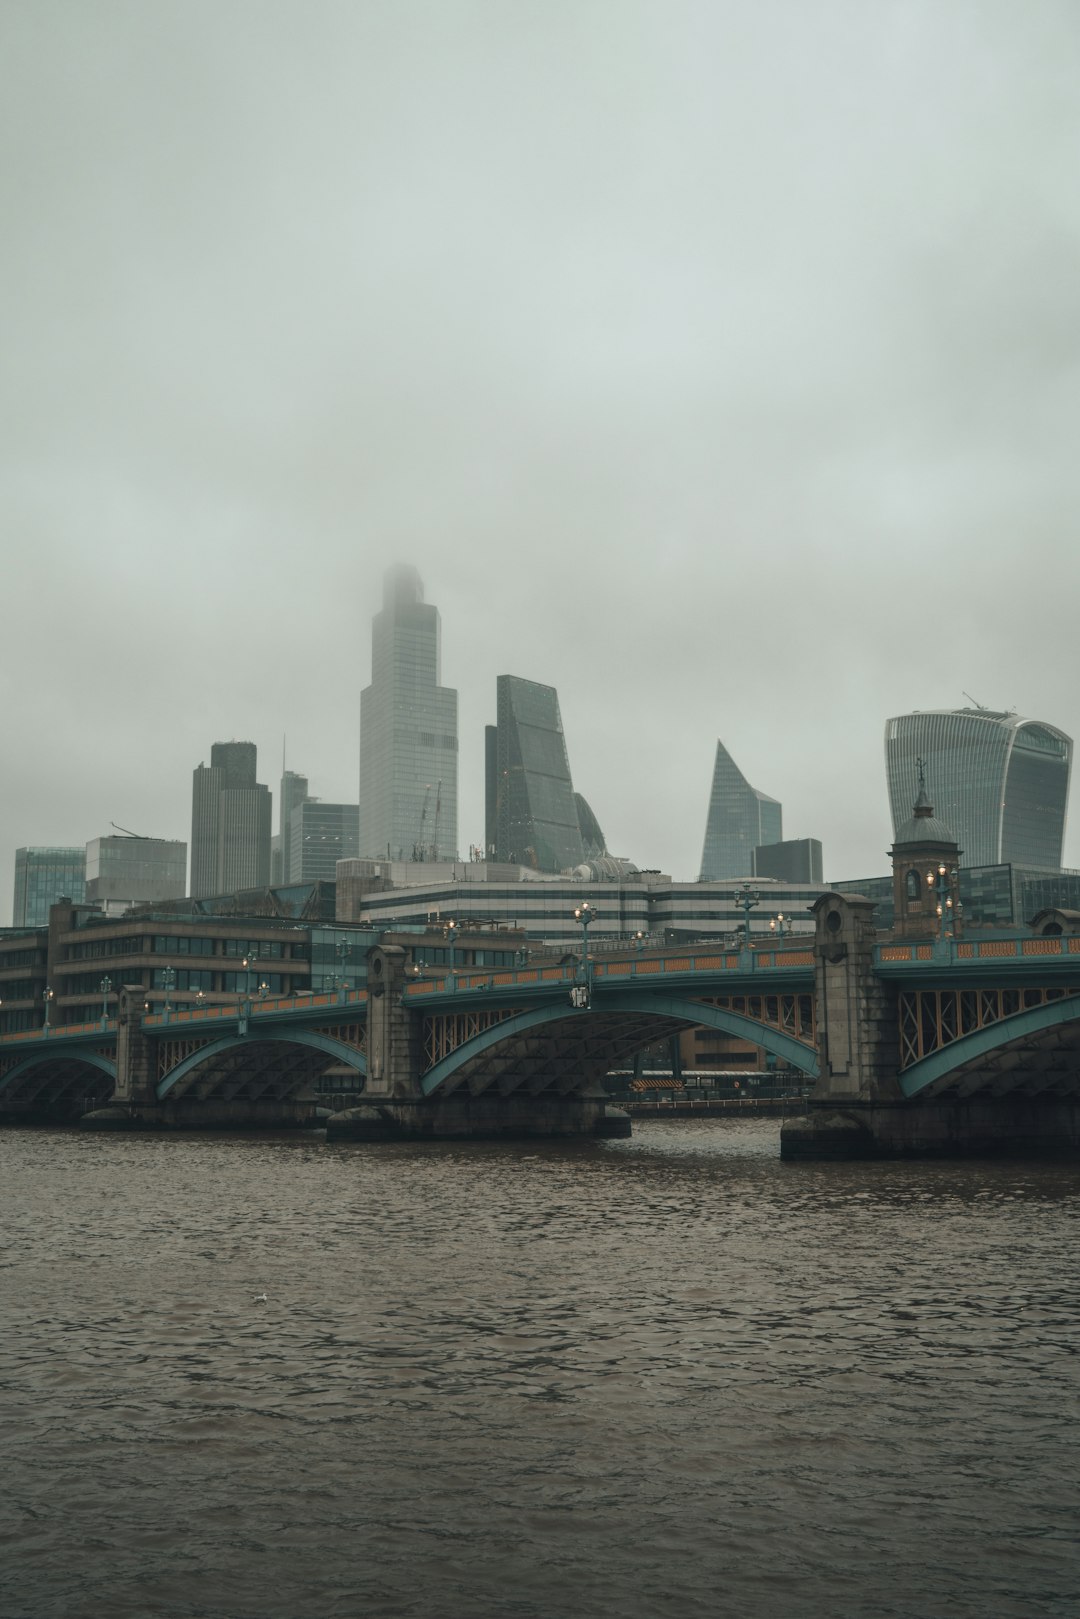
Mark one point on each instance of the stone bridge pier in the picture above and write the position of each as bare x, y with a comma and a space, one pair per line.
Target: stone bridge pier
396, 1105
858, 1108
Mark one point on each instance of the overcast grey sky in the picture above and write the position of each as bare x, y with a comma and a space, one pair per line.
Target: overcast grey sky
714, 362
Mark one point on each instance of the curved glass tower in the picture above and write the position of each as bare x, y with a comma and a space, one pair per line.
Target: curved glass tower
1001, 782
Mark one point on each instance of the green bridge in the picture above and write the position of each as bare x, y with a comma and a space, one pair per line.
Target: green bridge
951, 1046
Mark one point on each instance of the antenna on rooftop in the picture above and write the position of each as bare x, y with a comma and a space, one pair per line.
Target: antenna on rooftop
974, 700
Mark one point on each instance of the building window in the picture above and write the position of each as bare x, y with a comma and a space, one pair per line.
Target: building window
913, 886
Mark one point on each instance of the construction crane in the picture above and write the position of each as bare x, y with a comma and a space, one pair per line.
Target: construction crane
435, 828
418, 846
141, 835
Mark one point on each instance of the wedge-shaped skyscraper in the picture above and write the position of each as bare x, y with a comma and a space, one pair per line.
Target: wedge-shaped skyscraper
534, 817
1001, 782
408, 732
740, 818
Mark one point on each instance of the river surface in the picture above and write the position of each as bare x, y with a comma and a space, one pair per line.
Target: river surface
667, 1376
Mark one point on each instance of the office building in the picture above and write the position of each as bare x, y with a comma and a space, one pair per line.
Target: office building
293, 793
1000, 782
230, 823
127, 870
408, 731
797, 860
532, 812
42, 876
740, 819
321, 835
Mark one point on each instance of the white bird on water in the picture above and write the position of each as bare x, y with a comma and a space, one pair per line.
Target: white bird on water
261, 1298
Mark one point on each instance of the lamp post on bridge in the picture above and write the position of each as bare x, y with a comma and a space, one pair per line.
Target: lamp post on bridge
344, 951
448, 933
940, 883
168, 984
250, 965
46, 996
581, 994
106, 987
745, 902
777, 925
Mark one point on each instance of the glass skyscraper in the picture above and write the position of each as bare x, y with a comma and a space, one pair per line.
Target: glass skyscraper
42, 876
1000, 782
408, 732
532, 814
740, 818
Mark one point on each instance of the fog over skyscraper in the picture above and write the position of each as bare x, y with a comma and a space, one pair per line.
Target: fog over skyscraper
408, 732
1001, 782
739, 819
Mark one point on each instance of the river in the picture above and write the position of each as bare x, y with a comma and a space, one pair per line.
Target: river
666, 1376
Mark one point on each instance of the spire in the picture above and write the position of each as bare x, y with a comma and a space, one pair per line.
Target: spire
923, 806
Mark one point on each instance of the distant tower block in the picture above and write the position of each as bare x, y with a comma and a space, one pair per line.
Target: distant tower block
408, 731
1000, 782
740, 819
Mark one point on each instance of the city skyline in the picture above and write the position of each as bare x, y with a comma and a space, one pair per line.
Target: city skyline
698, 370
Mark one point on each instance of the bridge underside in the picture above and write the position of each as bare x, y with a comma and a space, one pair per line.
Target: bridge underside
248, 1071
558, 1057
1046, 1063
57, 1087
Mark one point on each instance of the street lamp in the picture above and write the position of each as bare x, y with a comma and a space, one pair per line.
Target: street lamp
344, 951
940, 883
639, 940
106, 986
777, 925
200, 999
585, 914
168, 984
745, 902
448, 934
46, 996
251, 962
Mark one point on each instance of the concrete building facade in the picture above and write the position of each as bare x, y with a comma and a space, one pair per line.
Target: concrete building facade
230, 823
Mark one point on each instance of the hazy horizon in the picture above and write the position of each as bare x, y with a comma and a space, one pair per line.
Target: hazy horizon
717, 365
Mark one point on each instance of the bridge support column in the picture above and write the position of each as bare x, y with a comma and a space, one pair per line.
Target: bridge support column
858, 1042
395, 1058
134, 1099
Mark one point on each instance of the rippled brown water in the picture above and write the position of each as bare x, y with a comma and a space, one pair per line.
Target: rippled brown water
666, 1376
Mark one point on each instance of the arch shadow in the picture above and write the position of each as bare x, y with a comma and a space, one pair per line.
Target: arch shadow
335, 1049
776, 1041
982, 1042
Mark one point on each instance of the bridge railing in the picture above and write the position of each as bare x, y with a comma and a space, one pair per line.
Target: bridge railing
603, 972
186, 1016
1022, 947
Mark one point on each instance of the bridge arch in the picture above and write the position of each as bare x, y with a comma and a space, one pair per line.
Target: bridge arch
666, 1008
174, 1083
1047, 1037
61, 1071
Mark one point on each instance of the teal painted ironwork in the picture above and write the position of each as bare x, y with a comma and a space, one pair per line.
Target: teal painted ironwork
969, 1047
51, 1053
300, 1037
782, 1045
